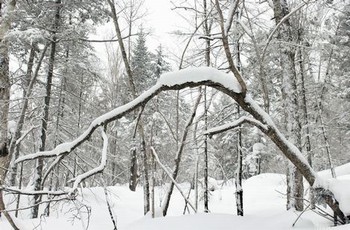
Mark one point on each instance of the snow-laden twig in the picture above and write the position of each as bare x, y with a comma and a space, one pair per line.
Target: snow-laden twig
50, 168
96, 170
231, 13
41, 202
171, 178
25, 133
31, 193
234, 124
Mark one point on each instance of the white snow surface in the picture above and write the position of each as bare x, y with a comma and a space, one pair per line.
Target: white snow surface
340, 186
264, 208
341, 190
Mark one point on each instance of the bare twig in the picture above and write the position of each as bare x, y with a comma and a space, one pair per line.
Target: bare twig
171, 178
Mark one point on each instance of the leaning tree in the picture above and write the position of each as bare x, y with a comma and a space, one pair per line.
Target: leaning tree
226, 83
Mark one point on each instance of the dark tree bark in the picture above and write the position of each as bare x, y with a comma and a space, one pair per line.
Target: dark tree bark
207, 30
238, 179
179, 156
44, 121
5, 23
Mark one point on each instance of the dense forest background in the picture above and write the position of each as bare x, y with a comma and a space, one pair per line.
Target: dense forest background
293, 56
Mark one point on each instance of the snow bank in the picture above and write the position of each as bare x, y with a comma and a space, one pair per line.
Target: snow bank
340, 187
264, 207
339, 171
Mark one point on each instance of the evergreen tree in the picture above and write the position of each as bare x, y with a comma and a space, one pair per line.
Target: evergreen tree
141, 64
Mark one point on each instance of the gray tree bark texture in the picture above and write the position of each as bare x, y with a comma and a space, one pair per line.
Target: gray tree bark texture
295, 188
5, 86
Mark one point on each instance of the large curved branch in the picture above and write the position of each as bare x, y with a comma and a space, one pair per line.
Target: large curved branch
235, 124
94, 171
226, 83
190, 77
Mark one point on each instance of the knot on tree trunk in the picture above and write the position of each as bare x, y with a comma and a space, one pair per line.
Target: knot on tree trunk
3, 150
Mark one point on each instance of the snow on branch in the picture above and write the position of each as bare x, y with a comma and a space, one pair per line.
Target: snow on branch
32, 193
231, 13
94, 171
25, 133
189, 77
198, 75
236, 123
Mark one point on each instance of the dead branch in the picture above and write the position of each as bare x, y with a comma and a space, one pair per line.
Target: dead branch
171, 178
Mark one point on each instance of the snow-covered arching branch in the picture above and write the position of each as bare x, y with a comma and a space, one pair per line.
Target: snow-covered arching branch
193, 77
93, 171
234, 124
190, 77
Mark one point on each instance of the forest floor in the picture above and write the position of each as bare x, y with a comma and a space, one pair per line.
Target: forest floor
264, 208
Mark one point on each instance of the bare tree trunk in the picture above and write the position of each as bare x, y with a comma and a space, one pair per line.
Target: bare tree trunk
206, 187
5, 23
307, 142
238, 179
133, 170
207, 29
152, 184
179, 155
262, 73
19, 187
140, 129
295, 190
328, 148
146, 190
44, 122
20, 122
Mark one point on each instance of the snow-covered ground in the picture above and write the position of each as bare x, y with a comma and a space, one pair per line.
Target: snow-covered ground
264, 207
